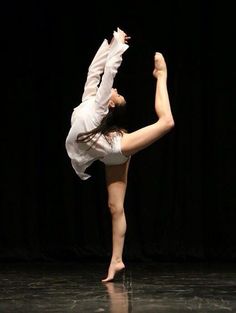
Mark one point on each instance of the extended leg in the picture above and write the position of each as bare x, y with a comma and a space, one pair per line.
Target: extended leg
142, 138
116, 178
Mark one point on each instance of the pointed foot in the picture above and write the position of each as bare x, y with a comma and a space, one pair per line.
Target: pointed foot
114, 271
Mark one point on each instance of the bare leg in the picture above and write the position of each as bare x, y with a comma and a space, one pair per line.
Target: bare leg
142, 138
116, 178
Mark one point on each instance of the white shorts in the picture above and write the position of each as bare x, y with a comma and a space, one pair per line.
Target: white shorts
115, 155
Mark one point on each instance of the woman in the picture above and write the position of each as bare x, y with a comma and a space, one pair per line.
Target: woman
96, 135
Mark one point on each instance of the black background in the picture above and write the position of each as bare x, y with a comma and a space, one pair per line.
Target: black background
180, 201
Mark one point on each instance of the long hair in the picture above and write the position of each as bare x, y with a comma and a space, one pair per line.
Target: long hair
114, 121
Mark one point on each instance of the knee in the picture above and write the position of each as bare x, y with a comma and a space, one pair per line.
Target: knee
116, 208
168, 122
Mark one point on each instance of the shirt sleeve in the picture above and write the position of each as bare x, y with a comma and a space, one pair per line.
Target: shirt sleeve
95, 70
113, 62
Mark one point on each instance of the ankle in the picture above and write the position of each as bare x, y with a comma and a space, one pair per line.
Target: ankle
116, 260
161, 74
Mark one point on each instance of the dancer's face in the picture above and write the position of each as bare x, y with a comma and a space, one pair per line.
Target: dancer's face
116, 98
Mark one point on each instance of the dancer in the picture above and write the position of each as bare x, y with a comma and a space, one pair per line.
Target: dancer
97, 134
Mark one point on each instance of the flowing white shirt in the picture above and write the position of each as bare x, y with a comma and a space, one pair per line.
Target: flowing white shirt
94, 106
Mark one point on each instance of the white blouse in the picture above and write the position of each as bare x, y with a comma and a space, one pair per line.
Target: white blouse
94, 106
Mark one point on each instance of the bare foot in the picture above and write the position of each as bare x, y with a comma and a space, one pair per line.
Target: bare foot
160, 65
114, 269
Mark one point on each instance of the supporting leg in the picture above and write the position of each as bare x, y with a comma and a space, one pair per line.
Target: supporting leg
116, 178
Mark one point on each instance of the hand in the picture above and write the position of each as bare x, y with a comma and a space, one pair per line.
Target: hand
122, 35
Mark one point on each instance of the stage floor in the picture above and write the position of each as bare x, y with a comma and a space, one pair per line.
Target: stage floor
145, 287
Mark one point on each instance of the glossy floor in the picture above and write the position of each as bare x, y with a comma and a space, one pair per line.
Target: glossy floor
144, 288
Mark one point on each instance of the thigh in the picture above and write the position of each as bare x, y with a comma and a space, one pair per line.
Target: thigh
116, 180
142, 138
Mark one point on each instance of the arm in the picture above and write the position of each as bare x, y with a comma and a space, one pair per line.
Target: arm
117, 47
95, 70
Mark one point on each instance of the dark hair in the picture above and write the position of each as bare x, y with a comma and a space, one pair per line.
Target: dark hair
114, 121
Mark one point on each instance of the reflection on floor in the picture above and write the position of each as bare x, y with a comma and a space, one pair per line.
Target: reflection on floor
144, 288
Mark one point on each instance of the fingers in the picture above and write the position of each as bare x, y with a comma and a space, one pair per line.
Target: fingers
123, 37
127, 38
